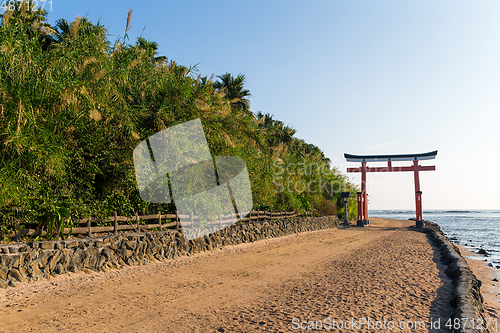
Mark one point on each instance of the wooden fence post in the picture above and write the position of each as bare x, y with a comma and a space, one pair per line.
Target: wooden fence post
115, 223
177, 219
89, 231
137, 221
159, 220
18, 231
57, 226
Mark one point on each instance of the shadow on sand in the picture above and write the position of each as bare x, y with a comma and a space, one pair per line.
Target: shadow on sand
441, 309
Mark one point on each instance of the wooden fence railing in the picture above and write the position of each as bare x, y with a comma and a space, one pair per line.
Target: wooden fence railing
138, 223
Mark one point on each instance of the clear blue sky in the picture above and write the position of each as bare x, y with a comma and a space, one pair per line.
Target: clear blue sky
362, 77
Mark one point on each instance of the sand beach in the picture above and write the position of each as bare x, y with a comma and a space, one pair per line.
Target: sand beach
386, 274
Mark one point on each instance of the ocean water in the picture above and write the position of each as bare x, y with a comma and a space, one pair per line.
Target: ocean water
474, 229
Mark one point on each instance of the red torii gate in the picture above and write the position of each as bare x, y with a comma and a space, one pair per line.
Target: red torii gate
362, 196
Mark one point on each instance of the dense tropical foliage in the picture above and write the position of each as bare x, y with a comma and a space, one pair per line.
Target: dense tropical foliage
73, 106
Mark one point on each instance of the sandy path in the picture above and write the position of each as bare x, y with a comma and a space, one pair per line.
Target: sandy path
385, 271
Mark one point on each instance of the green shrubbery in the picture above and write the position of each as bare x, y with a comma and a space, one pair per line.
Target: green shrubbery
73, 106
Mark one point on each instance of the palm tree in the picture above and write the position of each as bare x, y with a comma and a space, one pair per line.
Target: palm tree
143, 44
62, 28
234, 90
278, 134
150, 48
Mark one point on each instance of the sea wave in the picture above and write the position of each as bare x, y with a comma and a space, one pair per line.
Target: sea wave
456, 212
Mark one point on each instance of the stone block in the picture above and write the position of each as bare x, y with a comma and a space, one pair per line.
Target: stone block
15, 262
102, 260
32, 255
59, 269
35, 272
115, 247
47, 245
126, 253
4, 260
23, 272
107, 253
73, 268
14, 248
89, 261
130, 245
65, 257
140, 248
78, 255
73, 244
4, 272
88, 243
14, 273
25, 248
54, 260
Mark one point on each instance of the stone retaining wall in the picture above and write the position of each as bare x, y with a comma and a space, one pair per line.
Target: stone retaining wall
467, 298
27, 262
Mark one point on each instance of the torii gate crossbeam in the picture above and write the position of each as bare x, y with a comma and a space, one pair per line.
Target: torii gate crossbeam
363, 196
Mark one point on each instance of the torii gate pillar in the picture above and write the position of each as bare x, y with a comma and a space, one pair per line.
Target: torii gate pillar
418, 193
363, 196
